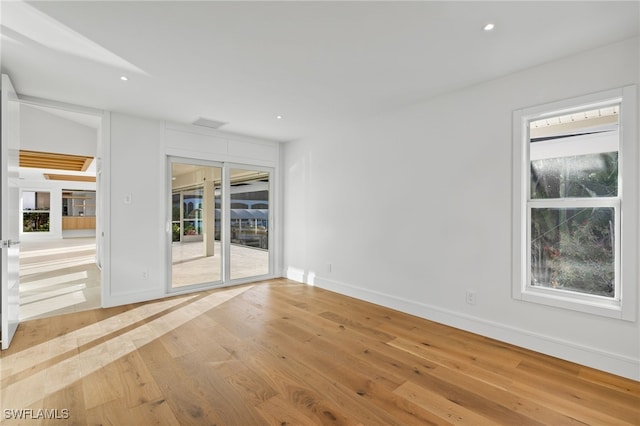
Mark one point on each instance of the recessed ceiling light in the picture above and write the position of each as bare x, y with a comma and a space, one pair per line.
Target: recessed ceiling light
489, 27
124, 78
279, 117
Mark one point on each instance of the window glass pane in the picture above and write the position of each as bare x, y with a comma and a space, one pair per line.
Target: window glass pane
35, 211
195, 249
175, 217
249, 217
35, 222
575, 155
593, 175
192, 213
573, 249
175, 207
32, 200
28, 200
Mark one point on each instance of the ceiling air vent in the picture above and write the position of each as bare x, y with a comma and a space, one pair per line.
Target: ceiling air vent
212, 124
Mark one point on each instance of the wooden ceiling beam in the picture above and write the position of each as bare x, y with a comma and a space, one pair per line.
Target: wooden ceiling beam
50, 160
74, 178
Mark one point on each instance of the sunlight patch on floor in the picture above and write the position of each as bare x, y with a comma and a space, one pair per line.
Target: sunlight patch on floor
44, 295
74, 356
58, 277
35, 284
56, 250
52, 303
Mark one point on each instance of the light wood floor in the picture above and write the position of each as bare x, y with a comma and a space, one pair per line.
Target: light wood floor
283, 353
58, 277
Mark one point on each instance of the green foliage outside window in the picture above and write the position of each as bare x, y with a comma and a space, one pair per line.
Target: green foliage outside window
35, 222
574, 248
593, 175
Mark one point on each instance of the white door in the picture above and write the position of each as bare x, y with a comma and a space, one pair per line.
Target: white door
9, 208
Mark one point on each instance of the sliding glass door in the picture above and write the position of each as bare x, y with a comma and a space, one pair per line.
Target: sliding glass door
220, 219
196, 254
249, 223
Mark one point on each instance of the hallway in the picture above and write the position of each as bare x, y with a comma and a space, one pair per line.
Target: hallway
58, 277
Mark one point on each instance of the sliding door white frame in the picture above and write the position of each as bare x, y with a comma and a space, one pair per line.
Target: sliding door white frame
225, 234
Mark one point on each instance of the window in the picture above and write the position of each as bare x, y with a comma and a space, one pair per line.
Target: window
575, 204
35, 211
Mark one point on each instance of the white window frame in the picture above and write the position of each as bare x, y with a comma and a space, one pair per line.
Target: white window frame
624, 304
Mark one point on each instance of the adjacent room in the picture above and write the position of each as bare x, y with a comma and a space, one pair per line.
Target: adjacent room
320, 212
59, 270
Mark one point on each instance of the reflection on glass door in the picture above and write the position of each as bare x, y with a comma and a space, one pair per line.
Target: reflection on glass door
249, 223
196, 254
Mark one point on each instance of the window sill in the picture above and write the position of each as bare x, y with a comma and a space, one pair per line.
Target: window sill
590, 305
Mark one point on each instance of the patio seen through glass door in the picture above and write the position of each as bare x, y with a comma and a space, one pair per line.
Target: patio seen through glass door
249, 223
196, 251
219, 224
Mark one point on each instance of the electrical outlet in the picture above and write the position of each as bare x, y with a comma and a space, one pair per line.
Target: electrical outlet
471, 297
145, 274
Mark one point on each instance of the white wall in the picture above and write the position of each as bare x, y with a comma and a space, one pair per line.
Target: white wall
135, 229
135, 161
47, 132
413, 208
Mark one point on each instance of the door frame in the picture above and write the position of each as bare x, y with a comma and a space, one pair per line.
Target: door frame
9, 206
171, 159
102, 180
226, 194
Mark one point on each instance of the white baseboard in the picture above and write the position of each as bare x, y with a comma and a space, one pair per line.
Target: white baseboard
613, 363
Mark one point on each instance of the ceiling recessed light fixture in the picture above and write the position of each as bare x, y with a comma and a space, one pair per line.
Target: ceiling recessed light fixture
124, 78
279, 117
489, 27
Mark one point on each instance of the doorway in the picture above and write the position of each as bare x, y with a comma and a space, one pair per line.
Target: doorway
220, 222
59, 213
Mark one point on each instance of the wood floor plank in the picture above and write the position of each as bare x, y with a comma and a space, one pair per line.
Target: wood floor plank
452, 357
339, 347
528, 411
447, 410
71, 398
607, 402
576, 409
606, 380
279, 411
291, 384
284, 353
116, 413
103, 386
278, 356
188, 403
251, 385
138, 384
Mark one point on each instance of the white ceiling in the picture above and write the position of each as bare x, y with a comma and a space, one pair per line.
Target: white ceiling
318, 64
